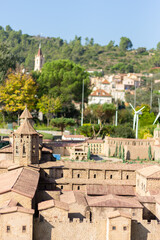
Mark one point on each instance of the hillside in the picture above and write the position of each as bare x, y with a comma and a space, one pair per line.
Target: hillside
91, 55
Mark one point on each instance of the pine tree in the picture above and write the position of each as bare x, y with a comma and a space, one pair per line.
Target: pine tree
119, 153
150, 153
88, 154
116, 151
123, 154
109, 152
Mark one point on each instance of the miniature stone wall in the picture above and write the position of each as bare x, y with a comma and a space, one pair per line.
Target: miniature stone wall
60, 230
145, 230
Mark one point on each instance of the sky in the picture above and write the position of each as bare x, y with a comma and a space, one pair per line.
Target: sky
103, 20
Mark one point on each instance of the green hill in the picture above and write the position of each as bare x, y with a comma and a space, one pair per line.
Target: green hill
110, 58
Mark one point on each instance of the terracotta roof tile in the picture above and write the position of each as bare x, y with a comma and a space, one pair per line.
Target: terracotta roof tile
150, 172
121, 190
146, 199
115, 214
105, 82
27, 183
52, 203
74, 136
23, 181
16, 209
113, 201
100, 93
70, 197
95, 141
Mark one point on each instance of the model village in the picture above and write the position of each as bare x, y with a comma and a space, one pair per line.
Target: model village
43, 198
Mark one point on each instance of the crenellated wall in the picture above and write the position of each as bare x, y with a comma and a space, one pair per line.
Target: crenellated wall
65, 229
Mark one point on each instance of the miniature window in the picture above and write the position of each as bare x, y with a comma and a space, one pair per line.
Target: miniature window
78, 188
24, 149
16, 149
61, 187
124, 228
113, 227
23, 229
78, 175
110, 176
127, 177
8, 229
94, 176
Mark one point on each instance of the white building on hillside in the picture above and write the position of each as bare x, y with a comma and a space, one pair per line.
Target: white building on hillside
99, 97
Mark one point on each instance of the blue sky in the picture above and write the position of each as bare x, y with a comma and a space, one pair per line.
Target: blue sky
104, 20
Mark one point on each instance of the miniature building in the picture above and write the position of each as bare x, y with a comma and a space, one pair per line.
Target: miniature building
25, 145
47, 200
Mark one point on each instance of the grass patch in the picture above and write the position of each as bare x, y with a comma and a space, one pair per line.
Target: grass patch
47, 135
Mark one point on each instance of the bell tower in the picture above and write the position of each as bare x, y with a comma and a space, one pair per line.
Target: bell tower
26, 142
39, 60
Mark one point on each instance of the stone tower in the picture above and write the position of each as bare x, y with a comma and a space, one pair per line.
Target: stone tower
26, 143
39, 60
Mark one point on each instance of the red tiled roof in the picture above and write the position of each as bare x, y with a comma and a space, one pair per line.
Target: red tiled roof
70, 197
105, 82
98, 190
100, 93
52, 203
95, 141
16, 209
115, 214
22, 180
113, 201
39, 52
151, 172
74, 136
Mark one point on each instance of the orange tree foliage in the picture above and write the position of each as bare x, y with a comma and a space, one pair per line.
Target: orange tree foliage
17, 91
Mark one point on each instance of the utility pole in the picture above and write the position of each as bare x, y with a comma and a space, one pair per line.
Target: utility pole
151, 95
135, 95
82, 103
116, 120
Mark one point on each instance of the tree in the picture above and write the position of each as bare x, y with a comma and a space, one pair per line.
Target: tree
17, 91
119, 152
150, 153
89, 153
7, 60
123, 154
158, 46
103, 113
116, 150
64, 79
123, 131
48, 106
62, 122
125, 44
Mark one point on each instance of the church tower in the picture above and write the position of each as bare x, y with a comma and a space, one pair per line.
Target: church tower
39, 60
26, 143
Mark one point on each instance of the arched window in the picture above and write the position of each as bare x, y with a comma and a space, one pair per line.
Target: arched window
127, 177
94, 175
78, 188
110, 176
78, 175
